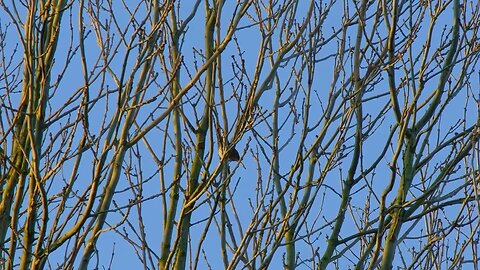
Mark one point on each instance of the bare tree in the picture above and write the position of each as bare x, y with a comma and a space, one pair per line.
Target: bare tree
239, 134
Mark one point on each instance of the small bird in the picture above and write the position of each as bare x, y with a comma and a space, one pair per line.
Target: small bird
232, 153
225, 146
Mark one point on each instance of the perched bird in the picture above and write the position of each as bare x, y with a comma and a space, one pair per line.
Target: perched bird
225, 146
232, 153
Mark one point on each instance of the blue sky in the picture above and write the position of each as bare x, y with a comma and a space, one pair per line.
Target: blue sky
253, 176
